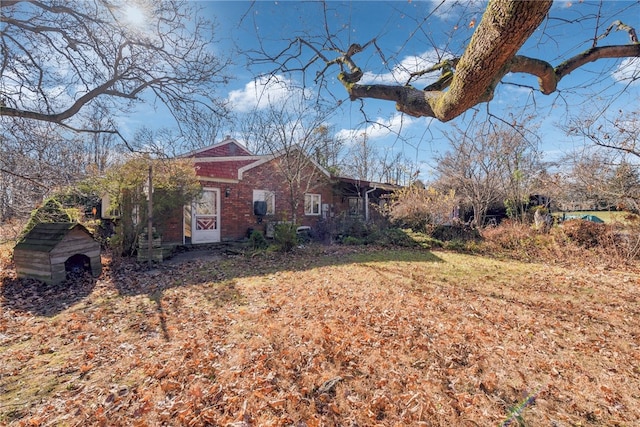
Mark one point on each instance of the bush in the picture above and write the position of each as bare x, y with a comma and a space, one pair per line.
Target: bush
421, 209
257, 240
393, 237
285, 237
455, 232
350, 226
517, 240
585, 233
352, 241
51, 211
455, 245
424, 240
508, 235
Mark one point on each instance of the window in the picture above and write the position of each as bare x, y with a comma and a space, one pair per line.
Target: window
266, 196
356, 206
312, 204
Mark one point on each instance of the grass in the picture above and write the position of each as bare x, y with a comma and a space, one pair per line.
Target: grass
326, 336
606, 216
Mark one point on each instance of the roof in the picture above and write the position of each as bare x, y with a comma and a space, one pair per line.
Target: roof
230, 160
44, 237
269, 157
227, 148
370, 184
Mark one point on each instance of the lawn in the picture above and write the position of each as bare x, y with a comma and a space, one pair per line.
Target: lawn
327, 336
606, 216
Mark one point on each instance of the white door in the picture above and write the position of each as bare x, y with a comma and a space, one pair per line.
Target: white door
205, 220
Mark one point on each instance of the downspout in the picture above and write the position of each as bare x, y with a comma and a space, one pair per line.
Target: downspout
366, 203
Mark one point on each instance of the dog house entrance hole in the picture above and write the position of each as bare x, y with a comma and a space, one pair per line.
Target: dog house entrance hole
77, 265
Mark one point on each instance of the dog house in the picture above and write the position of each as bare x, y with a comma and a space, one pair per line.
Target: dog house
52, 250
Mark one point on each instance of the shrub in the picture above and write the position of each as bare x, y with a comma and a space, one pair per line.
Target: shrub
518, 240
52, 211
346, 225
257, 240
585, 233
455, 245
421, 209
285, 237
456, 232
394, 237
352, 241
423, 240
508, 235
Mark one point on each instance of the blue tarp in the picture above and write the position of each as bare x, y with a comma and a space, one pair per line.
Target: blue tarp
591, 218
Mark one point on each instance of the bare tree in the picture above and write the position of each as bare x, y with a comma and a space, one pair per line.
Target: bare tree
362, 160
624, 186
522, 162
327, 151
60, 58
289, 133
598, 179
461, 81
99, 146
607, 171
620, 134
397, 169
487, 165
34, 161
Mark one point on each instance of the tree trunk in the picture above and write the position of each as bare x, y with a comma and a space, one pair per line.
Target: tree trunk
504, 28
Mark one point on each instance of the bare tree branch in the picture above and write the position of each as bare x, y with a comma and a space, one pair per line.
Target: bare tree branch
471, 78
100, 57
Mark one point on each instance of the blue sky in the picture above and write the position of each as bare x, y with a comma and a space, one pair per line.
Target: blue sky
414, 33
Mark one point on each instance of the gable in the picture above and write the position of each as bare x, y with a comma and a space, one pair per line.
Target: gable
227, 148
220, 167
229, 160
270, 158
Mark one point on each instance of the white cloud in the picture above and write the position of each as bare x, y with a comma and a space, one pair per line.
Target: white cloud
261, 92
401, 71
380, 129
628, 71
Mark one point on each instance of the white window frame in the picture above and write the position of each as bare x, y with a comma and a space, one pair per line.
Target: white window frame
266, 196
312, 203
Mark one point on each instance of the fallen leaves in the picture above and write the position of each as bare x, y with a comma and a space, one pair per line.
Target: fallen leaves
337, 342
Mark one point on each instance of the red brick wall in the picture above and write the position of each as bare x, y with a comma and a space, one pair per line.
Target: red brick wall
237, 209
227, 169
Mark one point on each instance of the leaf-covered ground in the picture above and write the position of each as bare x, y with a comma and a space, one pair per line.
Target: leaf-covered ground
327, 336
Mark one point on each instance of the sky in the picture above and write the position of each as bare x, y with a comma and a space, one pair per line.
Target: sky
412, 34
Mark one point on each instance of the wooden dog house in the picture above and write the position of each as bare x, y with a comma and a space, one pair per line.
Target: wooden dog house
50, 250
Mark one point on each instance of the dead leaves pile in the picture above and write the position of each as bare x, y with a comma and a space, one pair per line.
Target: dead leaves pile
328, 338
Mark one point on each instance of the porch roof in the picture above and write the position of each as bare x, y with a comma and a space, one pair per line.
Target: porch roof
367, 184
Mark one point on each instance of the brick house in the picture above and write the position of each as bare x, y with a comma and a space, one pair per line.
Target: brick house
244, 192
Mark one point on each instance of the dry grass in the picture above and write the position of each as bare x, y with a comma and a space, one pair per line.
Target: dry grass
327, 336
574, 241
